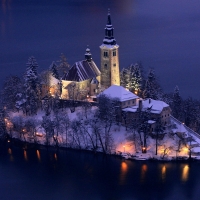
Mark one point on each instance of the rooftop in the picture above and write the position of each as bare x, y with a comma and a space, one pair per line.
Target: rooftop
115, 91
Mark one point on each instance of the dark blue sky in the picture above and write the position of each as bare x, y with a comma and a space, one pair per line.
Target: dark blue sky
164, 35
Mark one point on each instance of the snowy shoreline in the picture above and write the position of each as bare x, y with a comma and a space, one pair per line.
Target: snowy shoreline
141, 157
82, 130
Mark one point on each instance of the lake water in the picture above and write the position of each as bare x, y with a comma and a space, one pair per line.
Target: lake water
164, 35
70, 174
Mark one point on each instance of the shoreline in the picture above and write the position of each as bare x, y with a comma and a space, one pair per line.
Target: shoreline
9, 142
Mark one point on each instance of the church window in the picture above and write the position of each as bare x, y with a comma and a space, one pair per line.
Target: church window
114, 65
105, 66
114, 53
105, 54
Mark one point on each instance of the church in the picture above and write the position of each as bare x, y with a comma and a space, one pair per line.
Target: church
84, 79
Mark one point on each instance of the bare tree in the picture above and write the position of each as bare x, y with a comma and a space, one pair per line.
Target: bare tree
159, 130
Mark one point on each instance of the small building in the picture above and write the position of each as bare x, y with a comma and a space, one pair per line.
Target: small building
126, 98
156, 108
132, 106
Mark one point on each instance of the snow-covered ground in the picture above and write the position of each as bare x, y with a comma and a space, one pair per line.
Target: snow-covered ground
123, 142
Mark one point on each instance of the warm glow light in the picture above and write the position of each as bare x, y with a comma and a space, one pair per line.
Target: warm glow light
10, 151
55, 156
25, 155
124, 169
185, 173
38, 154
185, 150
8, 140
143, 172
124, 149
163, 172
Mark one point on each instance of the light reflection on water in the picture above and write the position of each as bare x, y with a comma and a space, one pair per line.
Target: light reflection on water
10, 153
143, 173
89, 170
55, 156
185, 173
123, 172
38, 155
163, 173
25, 155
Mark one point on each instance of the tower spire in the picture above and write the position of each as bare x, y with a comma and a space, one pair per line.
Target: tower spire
109, 32
109, 18
88, 55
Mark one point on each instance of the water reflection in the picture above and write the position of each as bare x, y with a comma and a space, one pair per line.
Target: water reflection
108, 178
185, 173
124, 169
163, 173
55, 156
10, 153
25, 155
143, 172
38, 155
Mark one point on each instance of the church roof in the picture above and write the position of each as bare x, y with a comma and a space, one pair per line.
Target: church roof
82, 70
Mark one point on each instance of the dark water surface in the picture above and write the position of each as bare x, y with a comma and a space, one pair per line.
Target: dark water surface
164, 35
70, 174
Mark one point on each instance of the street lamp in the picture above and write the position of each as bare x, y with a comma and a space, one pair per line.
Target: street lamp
124, 149
144, 150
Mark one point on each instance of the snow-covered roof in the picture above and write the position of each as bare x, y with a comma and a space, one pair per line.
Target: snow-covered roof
196, 150
151, 121
155, 105
53, 80
116, 91
108, 46
181, 129
130, 109
82, 70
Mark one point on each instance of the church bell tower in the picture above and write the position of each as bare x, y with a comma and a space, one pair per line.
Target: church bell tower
109, 57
